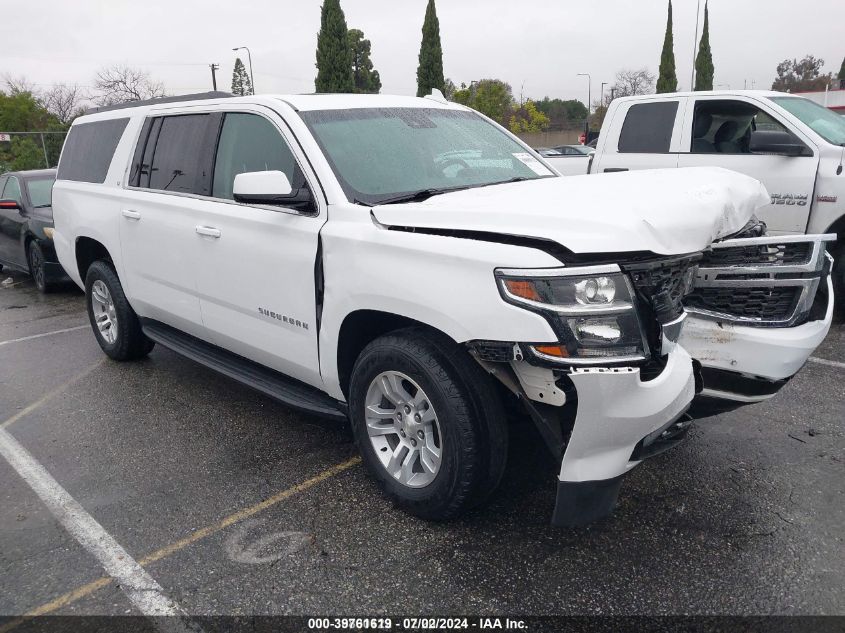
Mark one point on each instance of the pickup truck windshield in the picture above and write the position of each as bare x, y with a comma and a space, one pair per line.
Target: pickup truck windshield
401, 154
827, 124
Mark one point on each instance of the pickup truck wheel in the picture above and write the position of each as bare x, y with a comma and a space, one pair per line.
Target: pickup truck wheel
421, 422
838, 279
115, 324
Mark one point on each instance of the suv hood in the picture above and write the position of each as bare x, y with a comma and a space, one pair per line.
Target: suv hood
665, 211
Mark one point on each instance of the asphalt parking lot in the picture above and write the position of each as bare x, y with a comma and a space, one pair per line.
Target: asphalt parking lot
236, 505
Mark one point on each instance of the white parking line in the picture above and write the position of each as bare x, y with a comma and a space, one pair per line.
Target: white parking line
829, 363
144, 592
34, 336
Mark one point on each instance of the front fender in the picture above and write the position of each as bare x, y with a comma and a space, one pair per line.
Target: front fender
446, 283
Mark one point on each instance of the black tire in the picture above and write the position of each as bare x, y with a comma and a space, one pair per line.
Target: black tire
472, 422
35, 260
130, 343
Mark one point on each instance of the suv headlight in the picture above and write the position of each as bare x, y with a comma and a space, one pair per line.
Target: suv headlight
591, 309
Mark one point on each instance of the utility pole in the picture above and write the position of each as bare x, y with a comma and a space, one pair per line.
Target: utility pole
589, 105
214, 67
601, 98
694, 46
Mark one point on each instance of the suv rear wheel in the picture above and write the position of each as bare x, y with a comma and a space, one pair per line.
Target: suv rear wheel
428, 423
115, 324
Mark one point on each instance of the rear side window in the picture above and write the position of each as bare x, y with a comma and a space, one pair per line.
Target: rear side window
648, 128
89, 149
178, 158
249, 142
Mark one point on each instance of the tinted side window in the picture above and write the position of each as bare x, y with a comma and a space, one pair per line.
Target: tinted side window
732, 127
12, 190
89, 149
249, 142
648, 128
177, 161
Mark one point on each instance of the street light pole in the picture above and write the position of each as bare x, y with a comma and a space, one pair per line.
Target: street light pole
694, 46
249, 57
589, 100
601, 98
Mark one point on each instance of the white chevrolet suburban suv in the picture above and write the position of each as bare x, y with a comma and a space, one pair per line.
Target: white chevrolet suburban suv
410, 265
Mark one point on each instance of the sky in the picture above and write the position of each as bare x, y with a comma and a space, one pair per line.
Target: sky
538, 46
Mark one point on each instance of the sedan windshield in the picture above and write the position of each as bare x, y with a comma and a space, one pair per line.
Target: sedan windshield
398, 154
827, 124
40, 191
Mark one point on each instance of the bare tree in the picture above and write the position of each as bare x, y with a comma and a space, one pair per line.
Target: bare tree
18, 85
631, 82
64, 101
118, 84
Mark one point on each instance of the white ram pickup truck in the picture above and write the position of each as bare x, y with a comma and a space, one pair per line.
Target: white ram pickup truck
411, 265
794, 146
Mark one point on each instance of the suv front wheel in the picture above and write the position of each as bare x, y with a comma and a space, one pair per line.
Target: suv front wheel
428, 423
115, 324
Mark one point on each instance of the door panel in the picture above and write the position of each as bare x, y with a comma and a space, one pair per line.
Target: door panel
256, 264
158, 218
759, 309
158, 246
11, 222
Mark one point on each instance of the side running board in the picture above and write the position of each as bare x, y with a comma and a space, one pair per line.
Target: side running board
293, 393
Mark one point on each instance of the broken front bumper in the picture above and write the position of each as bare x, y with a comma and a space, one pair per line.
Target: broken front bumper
620, 417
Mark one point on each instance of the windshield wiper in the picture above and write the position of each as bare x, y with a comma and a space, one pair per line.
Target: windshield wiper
419, 196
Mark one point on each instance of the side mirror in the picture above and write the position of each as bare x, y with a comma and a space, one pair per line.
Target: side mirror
261, 187
11, 205
764, 146
271, 187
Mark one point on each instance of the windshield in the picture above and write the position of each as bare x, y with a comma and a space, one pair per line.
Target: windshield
827, 124
40, 191
379, 154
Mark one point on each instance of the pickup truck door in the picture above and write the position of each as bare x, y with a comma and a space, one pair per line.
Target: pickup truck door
643, 134
723, 132
255, 264
759, 308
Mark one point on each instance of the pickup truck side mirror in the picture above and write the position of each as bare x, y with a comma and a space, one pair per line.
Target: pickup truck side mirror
10, 205
779, 146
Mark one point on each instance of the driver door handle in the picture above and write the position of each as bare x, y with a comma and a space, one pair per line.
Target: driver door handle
131, 215
208, 231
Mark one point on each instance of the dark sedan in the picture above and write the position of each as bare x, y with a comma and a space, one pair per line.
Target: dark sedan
26, 226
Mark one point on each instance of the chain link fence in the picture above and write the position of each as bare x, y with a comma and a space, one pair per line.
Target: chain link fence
30, 150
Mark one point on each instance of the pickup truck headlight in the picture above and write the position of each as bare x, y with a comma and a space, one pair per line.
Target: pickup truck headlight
591, 309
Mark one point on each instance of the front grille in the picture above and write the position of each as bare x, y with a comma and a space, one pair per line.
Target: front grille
790, 253
662, 284
765, 304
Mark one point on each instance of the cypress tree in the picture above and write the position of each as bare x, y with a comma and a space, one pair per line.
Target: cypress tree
334, 57
430, 70
842, 75
704, 59
667, 81
240, 79
366, 78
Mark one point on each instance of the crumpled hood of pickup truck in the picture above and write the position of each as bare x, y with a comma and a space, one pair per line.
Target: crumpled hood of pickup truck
665, 211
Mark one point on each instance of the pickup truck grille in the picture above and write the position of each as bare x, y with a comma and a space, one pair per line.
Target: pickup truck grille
764, 304
662, 284
768, 281
762, 254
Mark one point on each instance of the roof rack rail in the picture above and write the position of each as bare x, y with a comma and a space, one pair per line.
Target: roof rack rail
199, 96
